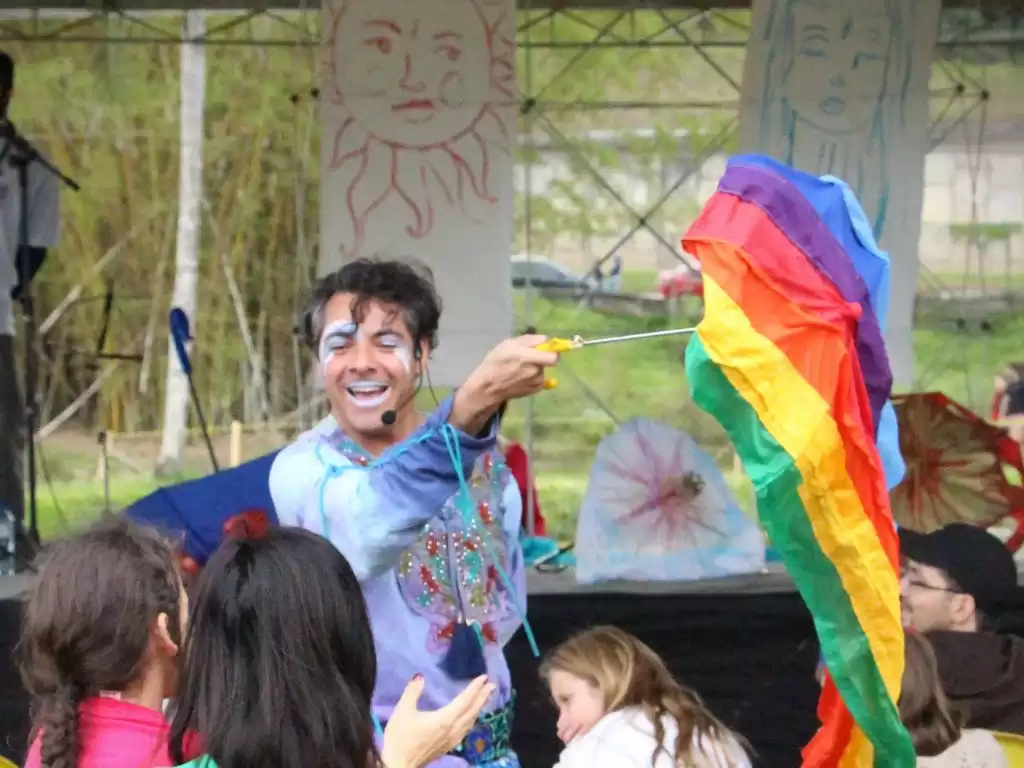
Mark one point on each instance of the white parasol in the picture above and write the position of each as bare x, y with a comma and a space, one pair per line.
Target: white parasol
657, 507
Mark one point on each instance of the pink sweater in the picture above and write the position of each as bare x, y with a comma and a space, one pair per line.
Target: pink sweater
117, 734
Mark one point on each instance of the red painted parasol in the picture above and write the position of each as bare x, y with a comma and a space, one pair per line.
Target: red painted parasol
956, 467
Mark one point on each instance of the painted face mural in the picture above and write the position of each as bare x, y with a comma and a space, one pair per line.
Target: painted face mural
842, 58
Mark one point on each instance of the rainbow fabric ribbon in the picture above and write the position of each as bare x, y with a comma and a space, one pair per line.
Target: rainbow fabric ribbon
789, 359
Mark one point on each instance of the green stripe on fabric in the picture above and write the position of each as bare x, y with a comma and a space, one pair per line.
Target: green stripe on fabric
776, 480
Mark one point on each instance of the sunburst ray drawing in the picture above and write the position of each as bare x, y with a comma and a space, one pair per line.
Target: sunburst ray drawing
420, 94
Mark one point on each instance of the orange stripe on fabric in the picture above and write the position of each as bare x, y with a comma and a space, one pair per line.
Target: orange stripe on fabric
729, 219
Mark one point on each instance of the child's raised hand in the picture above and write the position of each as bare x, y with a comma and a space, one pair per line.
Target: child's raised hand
414, 738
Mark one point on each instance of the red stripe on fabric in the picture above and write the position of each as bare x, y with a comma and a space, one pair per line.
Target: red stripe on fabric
836, 729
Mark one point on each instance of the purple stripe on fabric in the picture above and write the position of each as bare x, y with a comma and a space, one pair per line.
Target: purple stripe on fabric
796, 217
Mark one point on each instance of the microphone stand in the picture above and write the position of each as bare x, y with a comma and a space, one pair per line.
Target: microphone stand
105, 455
20, 153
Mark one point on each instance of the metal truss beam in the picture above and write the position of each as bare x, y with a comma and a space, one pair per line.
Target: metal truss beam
258, 6
125, 22
302, 28
260, 28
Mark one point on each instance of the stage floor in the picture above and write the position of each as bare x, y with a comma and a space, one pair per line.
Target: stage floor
773, 579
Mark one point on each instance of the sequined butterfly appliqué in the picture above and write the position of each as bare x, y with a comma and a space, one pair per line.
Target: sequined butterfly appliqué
450, 571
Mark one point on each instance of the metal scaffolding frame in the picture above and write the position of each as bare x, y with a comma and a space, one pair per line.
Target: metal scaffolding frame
957, 97
704, 28
145, 22
707, 32
621, 31
989, 8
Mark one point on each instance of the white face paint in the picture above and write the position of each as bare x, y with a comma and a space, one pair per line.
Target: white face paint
365, 394
342, 334
336, 336
404, 354
362, 394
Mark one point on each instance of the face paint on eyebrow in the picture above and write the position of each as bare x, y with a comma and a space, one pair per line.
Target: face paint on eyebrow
396, 344
335, 332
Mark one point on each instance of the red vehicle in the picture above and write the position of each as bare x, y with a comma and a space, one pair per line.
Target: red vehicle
680, 281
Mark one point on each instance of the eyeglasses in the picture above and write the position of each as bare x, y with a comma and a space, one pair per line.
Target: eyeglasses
933, 588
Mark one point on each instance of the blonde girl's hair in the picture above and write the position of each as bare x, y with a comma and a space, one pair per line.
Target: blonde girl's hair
629, 674
934, 725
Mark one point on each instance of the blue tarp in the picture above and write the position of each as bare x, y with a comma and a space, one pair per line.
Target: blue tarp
198, 509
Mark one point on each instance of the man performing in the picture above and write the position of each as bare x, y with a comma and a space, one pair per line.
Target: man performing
423, 508
18, 264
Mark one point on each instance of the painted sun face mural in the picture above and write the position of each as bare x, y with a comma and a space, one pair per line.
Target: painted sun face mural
424, 90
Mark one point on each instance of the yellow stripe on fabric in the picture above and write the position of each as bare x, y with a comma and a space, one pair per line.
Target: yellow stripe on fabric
800, 420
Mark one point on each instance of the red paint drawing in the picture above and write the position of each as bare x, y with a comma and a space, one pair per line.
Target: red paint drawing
423, 90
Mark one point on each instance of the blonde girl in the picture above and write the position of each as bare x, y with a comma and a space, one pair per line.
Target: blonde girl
620, 707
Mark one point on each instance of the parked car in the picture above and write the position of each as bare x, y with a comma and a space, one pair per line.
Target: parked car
541, 273
680, 281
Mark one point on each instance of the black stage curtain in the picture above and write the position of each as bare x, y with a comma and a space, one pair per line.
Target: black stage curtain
750, 657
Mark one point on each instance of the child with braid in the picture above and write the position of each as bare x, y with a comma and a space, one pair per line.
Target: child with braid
99, 649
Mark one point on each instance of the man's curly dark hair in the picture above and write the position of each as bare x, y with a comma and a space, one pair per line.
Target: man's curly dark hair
386, 281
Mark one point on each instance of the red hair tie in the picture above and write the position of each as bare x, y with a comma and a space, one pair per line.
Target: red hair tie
248, 524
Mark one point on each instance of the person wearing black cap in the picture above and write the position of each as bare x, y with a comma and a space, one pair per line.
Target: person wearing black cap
954, 583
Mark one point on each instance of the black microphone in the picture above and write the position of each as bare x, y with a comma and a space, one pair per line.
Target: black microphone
390, 416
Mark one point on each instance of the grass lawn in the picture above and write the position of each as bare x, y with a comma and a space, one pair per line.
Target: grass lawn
628, 380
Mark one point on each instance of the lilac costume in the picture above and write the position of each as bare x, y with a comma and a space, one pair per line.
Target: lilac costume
423, 556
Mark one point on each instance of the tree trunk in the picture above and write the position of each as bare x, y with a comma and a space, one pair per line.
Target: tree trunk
186, 259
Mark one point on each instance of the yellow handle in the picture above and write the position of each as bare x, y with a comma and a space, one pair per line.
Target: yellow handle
557, 346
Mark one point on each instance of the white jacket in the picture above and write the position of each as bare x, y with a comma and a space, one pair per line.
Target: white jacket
625, 739
975, 749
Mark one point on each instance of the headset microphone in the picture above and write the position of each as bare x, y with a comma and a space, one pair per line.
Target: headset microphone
390, 416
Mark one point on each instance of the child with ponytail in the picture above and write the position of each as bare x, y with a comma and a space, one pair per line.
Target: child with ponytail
620, 707
99, 649
280, 667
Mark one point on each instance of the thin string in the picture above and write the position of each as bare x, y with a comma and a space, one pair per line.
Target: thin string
334, 470
451, 443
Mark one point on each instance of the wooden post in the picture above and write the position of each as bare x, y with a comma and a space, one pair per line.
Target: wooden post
236, 443
103, 467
